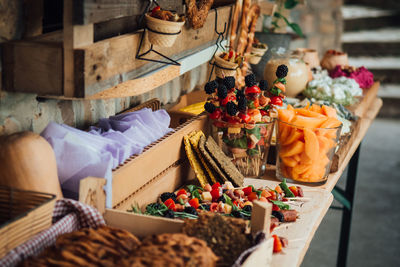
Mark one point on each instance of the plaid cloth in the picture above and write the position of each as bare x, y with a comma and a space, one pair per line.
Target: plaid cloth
68, 216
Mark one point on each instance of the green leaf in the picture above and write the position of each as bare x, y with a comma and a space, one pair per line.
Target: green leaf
256, 131
239, 143
280, 204
276, 91
253, 152
289, 4
196, 194
285, 188
296, 28
250, 104
228, 200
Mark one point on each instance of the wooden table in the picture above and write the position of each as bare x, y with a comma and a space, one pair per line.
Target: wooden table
367, 110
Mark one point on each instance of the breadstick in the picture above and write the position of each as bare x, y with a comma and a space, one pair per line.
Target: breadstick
235, 23
242, 42
197, 14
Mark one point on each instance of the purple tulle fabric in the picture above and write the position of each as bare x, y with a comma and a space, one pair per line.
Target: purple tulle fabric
80, 154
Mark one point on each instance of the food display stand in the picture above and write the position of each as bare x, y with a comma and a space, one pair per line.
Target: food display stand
89, 64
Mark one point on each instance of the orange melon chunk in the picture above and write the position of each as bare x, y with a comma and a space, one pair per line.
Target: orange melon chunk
284, 131
301, 168
308, 122
309, 113
286, 115
292, 149
311, 144
294, 135
329, 111
316, 108
289, 161
331, 123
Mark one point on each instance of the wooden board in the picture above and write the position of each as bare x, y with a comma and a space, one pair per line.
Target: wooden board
301, 232
156, 158
32, 67
93, 11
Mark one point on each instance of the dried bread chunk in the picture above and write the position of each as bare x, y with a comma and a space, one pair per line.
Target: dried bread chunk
224, 235
175, 250
104, 246
194, 140
224, 162
221, 175
194, 161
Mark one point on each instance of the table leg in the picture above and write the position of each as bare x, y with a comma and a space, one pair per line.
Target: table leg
346, 197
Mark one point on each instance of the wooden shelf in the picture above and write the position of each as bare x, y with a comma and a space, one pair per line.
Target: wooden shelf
301, 232
73, 65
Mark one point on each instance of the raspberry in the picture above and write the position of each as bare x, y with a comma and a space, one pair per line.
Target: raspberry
281, 71
210, 87
250, 80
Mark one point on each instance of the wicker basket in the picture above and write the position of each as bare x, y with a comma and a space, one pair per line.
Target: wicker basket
224, 68
161, 32
23, 214
256, 55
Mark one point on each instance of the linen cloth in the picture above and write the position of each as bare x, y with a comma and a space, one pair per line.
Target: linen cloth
68, 216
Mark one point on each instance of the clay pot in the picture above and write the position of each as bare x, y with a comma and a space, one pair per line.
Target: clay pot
158, 26
309, 56
224, 68
256, 55
330, 60
297, 77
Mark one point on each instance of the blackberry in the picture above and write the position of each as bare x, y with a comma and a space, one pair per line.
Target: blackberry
278, 215
248, 208
169, 214
209, 107
167, 195
239, 93
237, 214
263, 85
250, 80
222, 91
210, 87
281, 71
229, 82
206, 206
242, 104
219, 80
221, 198
190, 210
231, 108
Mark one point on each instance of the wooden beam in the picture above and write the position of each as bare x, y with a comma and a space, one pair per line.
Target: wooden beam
94, 11
74, 37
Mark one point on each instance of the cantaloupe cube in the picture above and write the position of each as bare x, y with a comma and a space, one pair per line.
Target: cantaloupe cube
311, 144
308, 122
294, 135
309, 113
329, 111
292, 149
289, 161
286, 115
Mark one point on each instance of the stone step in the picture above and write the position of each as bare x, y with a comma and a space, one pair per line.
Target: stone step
390, 94
358, 18
372, 49
386, 4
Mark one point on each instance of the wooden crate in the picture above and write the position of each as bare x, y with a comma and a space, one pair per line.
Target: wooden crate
83, 61
23, 214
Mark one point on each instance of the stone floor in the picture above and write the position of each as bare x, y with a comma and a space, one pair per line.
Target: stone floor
375, 233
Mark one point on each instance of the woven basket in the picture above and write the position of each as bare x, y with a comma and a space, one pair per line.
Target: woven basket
23, 214
162, 26
256, 55
224, 68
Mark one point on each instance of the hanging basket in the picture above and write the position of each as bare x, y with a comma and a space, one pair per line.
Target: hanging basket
161, 32
256, 55
224, 68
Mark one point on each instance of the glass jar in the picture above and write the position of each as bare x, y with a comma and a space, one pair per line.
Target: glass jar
246, 144
298, 74
305, 154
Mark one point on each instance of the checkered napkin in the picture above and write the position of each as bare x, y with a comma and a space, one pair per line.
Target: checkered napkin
68, 216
